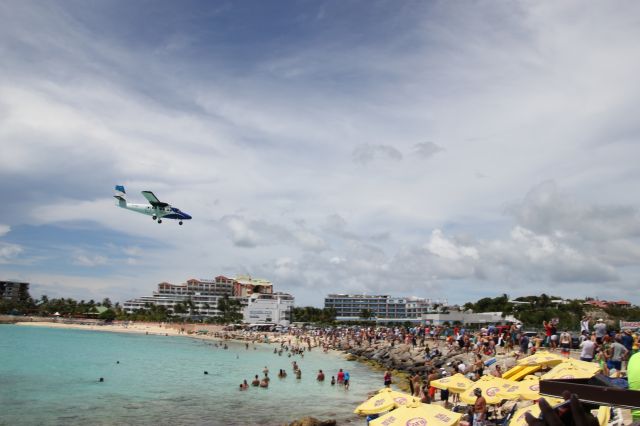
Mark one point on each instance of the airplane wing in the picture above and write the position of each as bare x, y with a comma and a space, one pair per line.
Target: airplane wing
153, 200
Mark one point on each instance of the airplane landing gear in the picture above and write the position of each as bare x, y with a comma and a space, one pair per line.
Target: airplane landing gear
180, 223
154, 217
159, 220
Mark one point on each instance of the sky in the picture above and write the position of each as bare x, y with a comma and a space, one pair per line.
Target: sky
446, 150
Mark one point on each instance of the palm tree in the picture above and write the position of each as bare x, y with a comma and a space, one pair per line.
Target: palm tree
366, 314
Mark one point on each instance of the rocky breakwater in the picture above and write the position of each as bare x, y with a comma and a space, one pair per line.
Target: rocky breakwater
409, 360
401, 357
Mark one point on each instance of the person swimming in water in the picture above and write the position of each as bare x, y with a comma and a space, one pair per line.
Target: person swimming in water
333, 380
264, 383
256, 381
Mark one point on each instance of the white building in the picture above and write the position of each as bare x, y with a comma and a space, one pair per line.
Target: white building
384, 308
269, 309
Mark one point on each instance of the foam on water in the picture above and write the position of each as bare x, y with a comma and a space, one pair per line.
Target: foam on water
50, 376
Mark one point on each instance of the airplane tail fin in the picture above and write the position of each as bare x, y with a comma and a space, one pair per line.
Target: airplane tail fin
120, 195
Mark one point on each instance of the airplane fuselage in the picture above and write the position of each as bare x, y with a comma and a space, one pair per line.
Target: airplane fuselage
167, 212
148, 210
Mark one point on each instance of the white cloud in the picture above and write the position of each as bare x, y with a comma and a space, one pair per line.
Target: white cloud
9, 252
4, 230
438, 245
89, 260
309, 240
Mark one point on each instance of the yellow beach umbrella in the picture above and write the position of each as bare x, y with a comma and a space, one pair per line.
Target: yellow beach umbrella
456, 383
591, 367
418, 414
568, 371
542, 358
494, 390
385, 400
529, 389
573, 369
519, 419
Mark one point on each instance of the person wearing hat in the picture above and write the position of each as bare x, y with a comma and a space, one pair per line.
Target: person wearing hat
600, 329
479, 408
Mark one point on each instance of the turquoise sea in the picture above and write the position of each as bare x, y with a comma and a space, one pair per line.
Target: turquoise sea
50, 377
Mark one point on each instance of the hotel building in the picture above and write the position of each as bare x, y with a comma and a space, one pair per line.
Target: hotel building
13, 290
202, 296
384, 308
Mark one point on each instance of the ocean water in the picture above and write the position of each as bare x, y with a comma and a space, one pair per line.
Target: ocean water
50, 377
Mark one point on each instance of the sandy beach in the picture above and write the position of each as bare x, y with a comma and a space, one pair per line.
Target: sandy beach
130, 327
195, 331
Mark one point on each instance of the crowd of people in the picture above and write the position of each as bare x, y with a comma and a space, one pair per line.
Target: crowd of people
595, 342
343, 376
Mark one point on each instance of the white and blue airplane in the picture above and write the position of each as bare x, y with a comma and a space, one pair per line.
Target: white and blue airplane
156, 208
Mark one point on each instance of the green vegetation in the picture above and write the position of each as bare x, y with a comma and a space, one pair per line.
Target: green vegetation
625, 314
366, 314
229, 310
310, 314
532, 310
107, 311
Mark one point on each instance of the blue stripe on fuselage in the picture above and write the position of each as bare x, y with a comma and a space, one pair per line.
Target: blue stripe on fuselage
177, 214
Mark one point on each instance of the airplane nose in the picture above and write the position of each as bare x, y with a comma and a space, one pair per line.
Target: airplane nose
186, 216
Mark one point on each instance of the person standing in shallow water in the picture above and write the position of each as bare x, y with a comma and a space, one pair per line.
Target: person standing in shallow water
387, 378
320, 377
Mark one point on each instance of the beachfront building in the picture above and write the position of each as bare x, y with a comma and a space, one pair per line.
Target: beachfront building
384, 308
269, 308
199, 298
13, 291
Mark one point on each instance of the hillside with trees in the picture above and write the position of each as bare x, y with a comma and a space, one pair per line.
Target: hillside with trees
532, 310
